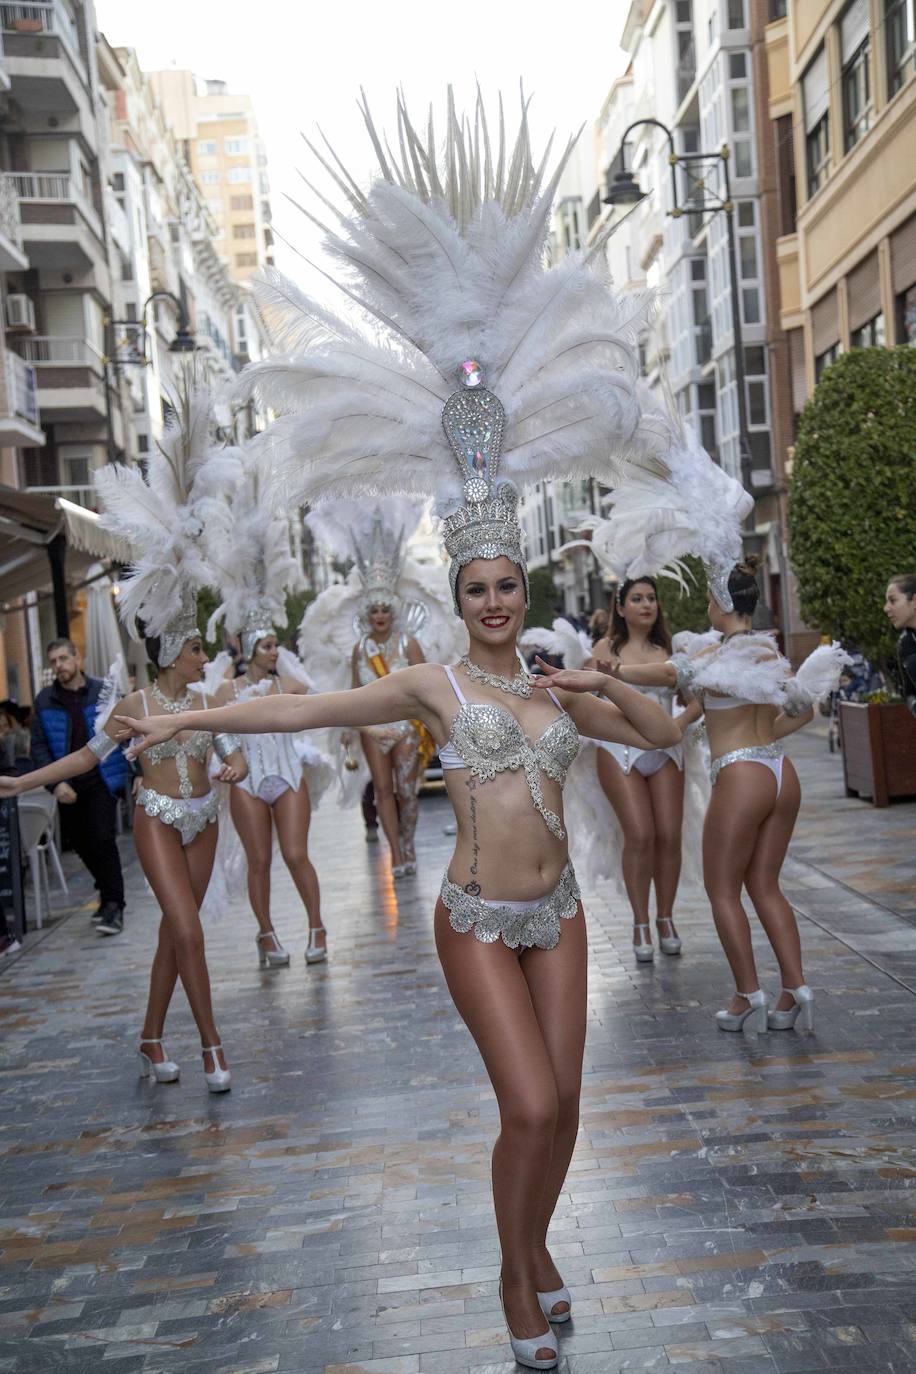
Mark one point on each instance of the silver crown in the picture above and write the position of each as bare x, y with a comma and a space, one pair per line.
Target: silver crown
258, 624
179, 630
379, 564
717, 581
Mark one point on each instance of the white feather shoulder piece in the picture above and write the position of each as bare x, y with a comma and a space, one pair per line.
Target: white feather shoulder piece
562, 640
748, 666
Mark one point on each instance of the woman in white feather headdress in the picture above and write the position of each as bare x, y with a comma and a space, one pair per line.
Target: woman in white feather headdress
249, 544
176, 817
447, 257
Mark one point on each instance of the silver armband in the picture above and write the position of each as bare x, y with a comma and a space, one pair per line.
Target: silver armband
797, 700
102, 745
226, 745
686, 673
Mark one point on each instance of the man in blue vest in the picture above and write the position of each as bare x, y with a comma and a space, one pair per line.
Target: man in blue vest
64, 720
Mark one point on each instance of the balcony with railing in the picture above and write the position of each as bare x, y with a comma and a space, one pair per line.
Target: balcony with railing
42, 55
20, 425
70, 373
12, 254
60, 226
87, 497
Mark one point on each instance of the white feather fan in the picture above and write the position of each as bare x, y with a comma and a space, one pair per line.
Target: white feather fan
561, 641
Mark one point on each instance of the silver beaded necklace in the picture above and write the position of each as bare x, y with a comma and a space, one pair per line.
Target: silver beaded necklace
519, 686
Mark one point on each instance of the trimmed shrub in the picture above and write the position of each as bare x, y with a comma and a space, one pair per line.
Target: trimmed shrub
852, 497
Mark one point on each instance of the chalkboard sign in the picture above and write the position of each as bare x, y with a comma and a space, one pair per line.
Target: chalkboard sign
11, 867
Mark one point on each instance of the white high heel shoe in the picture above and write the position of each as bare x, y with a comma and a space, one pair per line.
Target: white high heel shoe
752, 1020
218, 1080
315, 953
670, 944
644, 953
549, 1301
278, 957
802, 1011
525, 1351
166, 1071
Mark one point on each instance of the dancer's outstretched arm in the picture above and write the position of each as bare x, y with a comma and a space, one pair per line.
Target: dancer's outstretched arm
396, 697
787, 725
624, 717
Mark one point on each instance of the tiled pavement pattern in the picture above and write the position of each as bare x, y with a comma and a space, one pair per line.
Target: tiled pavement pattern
733, 1206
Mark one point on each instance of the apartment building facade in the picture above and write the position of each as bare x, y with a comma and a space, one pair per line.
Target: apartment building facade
842, 101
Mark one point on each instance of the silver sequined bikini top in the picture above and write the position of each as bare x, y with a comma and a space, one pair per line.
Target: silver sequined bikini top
488, 740
195, 746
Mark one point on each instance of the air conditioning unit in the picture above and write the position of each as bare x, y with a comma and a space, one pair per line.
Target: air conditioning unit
20, 312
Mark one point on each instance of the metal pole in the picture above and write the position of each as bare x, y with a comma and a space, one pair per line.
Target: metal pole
743, 446
57, 552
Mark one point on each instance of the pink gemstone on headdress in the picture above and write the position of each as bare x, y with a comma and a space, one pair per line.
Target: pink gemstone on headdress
479, 461
471, 373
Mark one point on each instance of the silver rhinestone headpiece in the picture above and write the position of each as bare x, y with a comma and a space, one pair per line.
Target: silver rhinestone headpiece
379, 565
487, 525
179, 631
259, 623
717, 580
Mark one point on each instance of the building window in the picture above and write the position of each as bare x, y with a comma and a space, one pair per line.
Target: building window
778, 9
756, 403
900, 30
237, 174
741, 110
816, 92
747, 251
246, 259
750, 304
869, 335
736, 14
206, 147
209, 178
824, 359
241, 203
737, 66
755, 361
746, 219
744, 160
906, 317
236, 147
243, 231
855, 49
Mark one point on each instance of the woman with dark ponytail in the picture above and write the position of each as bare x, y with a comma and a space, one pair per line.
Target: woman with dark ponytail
752, 702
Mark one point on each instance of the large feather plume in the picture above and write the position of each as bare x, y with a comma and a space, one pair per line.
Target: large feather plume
443, 259
162, 516
248, 544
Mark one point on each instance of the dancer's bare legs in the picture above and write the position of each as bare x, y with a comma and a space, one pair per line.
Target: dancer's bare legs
666, 790
381, 766
745, 838
629, 795
292, 814
178, 875
405, 761
526, 1013
251, 818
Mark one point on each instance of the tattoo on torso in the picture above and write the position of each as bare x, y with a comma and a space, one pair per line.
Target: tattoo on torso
473, 887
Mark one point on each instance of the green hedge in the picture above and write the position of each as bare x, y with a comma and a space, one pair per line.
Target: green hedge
852, 498
544, 597
686, 610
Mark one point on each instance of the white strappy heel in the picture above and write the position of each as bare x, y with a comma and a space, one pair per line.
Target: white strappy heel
644, 953
525, 1351
752, 1020
670, 944
278, 957
165, 1071
549, 1301
218, 1080
802, 1011
315, 953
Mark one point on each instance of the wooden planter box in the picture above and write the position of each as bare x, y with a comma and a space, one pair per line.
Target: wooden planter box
879, 751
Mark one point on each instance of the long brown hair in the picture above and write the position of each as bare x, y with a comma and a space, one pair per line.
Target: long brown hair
619, 632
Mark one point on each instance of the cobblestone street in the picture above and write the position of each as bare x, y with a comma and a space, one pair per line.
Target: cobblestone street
733, 1205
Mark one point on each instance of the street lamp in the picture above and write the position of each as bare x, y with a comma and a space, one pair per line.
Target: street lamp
625, 190
130, 349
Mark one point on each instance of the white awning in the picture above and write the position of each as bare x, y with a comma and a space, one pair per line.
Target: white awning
86, 532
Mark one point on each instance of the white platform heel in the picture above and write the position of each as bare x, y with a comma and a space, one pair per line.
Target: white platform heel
754, 1020
278, 957
549, 1301
525, 1351
166, 1071
803, 1011
218, 1080
315, 953
669, 944
645, 953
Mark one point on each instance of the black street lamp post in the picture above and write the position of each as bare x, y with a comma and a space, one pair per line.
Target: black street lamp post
625, 190
132, 352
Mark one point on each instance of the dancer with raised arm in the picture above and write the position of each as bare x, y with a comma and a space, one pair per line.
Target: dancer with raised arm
175, 819
248, 542
449, 258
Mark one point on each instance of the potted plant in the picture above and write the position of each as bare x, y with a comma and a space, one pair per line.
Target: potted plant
852, 525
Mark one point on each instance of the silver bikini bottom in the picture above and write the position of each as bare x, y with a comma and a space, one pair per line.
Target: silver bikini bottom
189, 816
770, 755
520, 925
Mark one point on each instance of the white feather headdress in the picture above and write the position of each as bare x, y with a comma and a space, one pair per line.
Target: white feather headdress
248, 542
162, 517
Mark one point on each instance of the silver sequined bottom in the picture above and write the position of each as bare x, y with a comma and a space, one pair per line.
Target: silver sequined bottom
189, 816
748, 754
519, 927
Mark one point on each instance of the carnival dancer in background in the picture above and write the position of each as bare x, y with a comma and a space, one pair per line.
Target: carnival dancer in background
390, 603
175, 819
446, 252
248, 541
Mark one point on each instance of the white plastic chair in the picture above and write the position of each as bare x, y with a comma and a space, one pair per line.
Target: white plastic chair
37, 818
